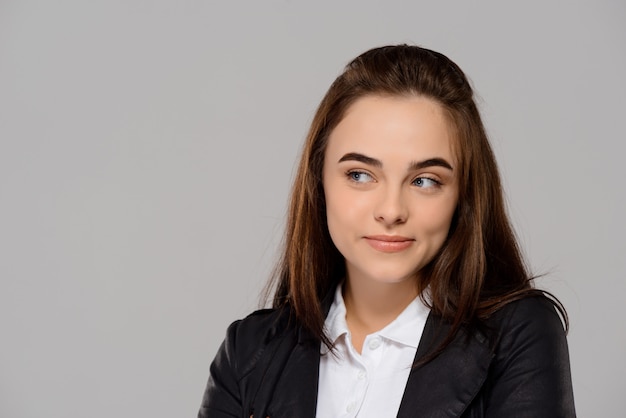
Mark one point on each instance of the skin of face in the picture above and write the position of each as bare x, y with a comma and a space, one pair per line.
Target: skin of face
390, 187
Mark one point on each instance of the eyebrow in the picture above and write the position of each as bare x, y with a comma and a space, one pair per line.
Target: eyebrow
353, 156
415, 165
431, 162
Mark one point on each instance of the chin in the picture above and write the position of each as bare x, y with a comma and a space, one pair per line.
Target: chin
392, 277
395, 280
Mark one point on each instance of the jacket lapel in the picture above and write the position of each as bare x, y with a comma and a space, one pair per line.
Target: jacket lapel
445, 386
297, 384
299, 378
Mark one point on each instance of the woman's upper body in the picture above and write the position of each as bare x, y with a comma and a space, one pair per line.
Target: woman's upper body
397, 196
516, 367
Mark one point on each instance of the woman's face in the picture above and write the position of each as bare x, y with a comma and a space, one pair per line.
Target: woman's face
390, 186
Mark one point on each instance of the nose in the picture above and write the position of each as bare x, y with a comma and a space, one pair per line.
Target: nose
392, 207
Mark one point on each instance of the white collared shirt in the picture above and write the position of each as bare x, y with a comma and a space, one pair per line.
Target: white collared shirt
370, 384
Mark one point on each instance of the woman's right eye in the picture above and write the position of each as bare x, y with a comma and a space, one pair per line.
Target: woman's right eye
359, 177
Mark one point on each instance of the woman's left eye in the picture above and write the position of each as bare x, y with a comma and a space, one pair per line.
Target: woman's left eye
425, 182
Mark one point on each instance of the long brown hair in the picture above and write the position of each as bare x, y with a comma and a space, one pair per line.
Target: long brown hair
479, 268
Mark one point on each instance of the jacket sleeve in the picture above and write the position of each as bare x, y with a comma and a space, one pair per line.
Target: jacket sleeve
222, 397
531, 372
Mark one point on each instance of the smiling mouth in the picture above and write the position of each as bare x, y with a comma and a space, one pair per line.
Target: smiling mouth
388, 243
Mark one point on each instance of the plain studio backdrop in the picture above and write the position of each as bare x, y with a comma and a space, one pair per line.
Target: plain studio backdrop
147, 150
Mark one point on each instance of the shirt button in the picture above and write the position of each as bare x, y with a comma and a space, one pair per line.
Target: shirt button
361, 375
351, 407
374, 343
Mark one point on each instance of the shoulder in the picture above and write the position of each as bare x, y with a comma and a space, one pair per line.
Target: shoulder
531, 361
246, 341
258, 324
534, 319
531, 329
247, 338
529, 310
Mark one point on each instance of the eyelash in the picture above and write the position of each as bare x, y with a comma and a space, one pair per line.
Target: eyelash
435, 182
351, 174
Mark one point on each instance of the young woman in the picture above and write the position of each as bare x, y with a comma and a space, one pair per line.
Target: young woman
401, 290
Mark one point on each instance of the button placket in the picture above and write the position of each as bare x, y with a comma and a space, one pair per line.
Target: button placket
351, 407
358, 387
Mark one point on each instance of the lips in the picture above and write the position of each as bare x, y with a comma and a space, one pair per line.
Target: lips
389, 243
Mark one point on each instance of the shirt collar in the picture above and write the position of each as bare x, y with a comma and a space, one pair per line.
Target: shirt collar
406, 329
408, 326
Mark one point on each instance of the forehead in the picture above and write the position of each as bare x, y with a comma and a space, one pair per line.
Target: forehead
414, 127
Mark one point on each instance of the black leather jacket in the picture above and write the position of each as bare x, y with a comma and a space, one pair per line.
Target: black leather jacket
518, 366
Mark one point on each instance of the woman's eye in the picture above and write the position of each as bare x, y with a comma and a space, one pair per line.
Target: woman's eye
425, 182
359, 177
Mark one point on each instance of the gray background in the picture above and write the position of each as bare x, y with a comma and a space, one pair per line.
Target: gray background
147, 147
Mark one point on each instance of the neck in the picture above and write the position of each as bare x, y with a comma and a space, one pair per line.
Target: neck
371, 305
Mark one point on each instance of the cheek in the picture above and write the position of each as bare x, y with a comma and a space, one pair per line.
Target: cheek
342, 204
437, 219
345, 216
334, 215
